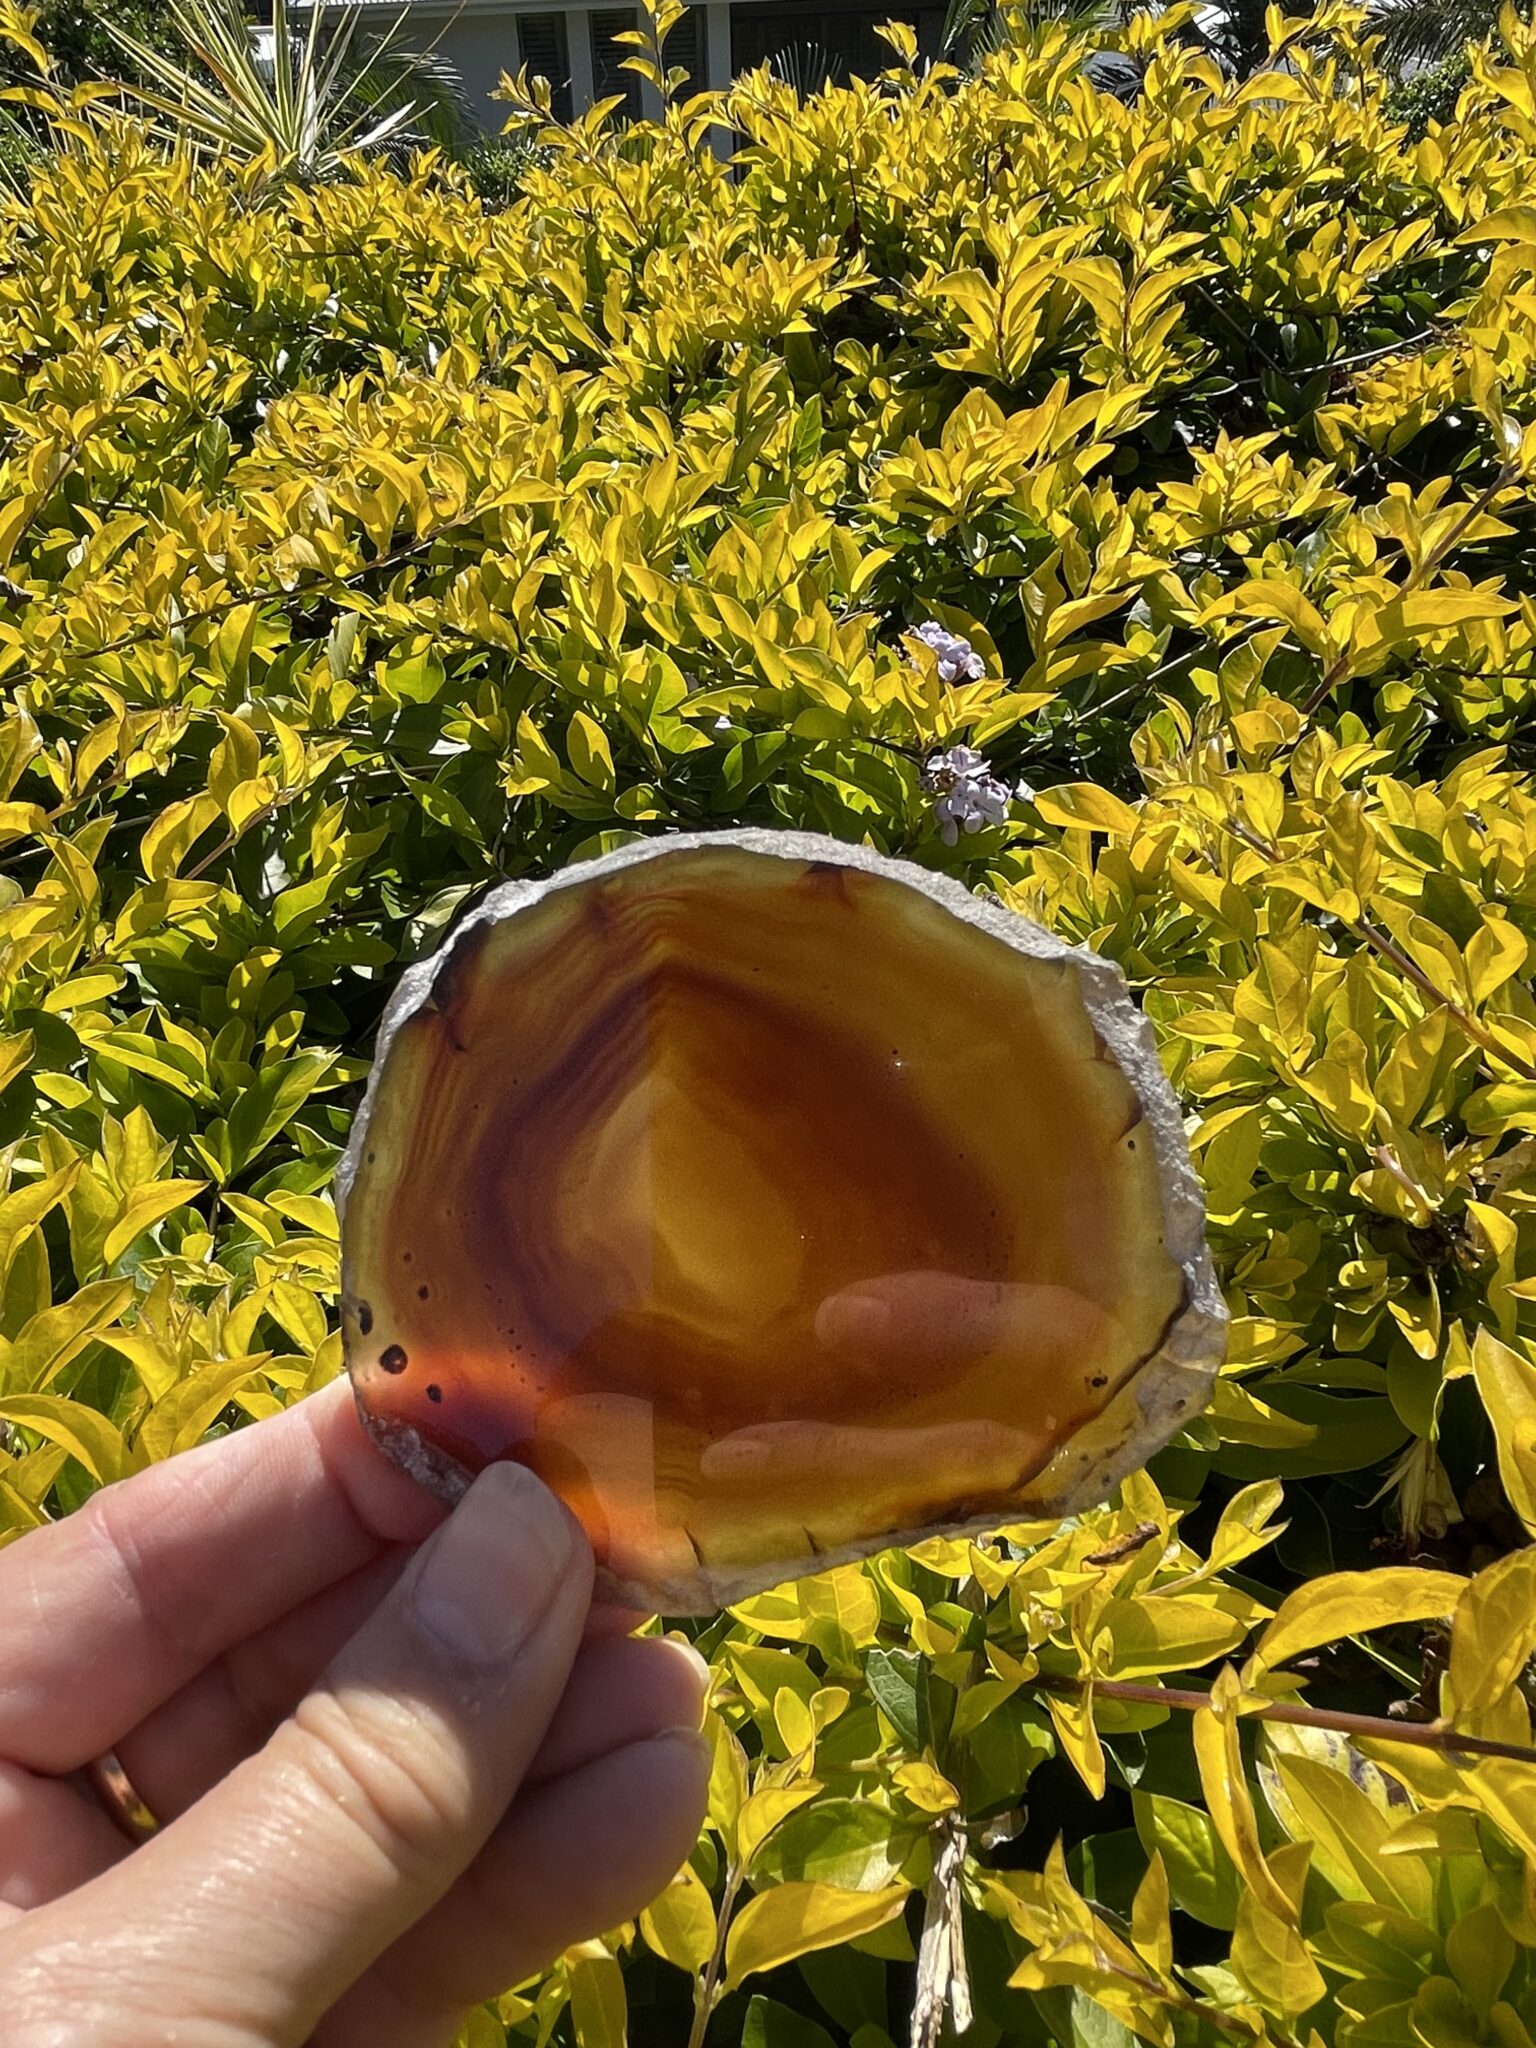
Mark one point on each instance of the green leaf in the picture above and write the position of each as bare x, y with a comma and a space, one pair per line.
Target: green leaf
854, 1844
271, 1102
771, 2025
1201, 1875
898, 1684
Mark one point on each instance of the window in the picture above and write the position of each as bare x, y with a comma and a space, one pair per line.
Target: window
682, 47
542, 48
607, 56
811, 41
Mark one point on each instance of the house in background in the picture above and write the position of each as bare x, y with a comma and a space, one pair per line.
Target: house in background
573, 45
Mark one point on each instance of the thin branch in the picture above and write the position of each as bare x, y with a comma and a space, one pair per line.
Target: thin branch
706, 1990
943, 1978
1417, 1734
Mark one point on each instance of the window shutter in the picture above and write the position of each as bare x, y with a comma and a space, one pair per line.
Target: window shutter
682, 47
542, 46
607, 56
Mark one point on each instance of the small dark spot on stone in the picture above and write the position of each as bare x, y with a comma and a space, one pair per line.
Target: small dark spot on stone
825, 878
393, 1359
408, 1257
1100, 1379
371, 1157
422, 1292
364, 1317
434, 1393
1130, 1144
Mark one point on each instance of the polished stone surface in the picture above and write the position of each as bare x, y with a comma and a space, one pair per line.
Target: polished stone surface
771, 1202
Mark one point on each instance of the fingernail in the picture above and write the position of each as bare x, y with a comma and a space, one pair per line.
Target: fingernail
690, 1742
488, 1574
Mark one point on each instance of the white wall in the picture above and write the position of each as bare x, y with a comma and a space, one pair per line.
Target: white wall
480, 47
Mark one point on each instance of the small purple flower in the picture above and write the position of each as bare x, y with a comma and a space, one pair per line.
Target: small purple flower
968, 795
958, 660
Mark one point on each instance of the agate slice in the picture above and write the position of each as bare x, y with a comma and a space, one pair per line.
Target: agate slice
774, 1201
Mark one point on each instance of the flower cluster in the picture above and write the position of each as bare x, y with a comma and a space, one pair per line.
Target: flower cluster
958, 660
968, 794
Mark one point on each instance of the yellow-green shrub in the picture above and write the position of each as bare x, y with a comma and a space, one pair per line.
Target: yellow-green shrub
360, 545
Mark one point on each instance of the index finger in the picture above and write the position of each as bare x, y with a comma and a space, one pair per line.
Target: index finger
110, 1612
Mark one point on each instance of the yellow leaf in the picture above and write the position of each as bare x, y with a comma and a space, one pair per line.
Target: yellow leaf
182, 1417
1495, 953
1349, 1603
20, 821
793, 1919
1151, 1929
587, 745
1500, 1234
1508, 224
539, 763
1507, 1383
86, 1435
1072, 1717
145, 1207
599, 2008
1244, 1419
727, 1779
1084, 803
15, 1056
1493, 1632
1153, 1634
927, 1788
1348, 1831
174, 833
680, 1925
1219, 1756
1275, 600
765, 1810
1269, 1953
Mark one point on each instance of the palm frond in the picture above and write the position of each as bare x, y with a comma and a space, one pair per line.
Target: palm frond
805, 67
1415, 32
306, 97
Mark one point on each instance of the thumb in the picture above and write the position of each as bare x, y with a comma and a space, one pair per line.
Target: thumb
251, 1914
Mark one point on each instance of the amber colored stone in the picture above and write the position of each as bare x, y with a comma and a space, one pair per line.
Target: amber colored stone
773, 1201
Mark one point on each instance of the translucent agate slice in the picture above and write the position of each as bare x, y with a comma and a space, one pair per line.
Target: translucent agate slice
775, 1202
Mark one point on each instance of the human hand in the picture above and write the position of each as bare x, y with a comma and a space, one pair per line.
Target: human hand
903, 1329
397, 1767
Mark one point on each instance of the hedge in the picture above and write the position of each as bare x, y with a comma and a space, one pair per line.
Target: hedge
365, 543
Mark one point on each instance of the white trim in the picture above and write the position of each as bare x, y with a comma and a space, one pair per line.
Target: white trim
717, 45
578, 55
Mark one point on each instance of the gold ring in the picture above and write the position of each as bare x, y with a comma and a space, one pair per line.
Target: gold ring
122, 1804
